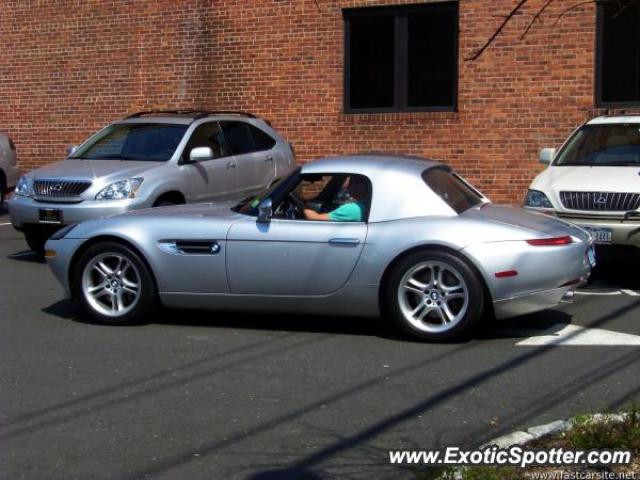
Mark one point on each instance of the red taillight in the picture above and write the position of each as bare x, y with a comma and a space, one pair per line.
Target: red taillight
547, 242
506, 273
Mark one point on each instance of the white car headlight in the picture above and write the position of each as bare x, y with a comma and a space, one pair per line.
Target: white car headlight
537, 199
24, 187
120, 190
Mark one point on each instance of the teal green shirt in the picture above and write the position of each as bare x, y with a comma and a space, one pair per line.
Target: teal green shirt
349, 212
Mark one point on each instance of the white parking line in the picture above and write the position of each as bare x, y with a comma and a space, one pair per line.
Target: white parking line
560, 334
5, 224
582, 292
632, 293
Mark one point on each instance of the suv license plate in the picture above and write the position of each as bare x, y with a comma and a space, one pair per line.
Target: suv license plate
50, 215
600, 235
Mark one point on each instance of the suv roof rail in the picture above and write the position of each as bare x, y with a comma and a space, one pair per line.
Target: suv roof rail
627, 112
197, 113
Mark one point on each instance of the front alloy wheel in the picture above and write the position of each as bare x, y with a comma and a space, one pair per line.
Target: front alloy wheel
113, 284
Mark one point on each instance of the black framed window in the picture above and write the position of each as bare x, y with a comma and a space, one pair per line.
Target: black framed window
618, 55
401, 58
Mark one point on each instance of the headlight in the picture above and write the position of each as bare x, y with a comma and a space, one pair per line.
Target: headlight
24, 187
537, 199
120, 190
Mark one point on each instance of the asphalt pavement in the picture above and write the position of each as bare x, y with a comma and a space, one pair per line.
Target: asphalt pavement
205, 395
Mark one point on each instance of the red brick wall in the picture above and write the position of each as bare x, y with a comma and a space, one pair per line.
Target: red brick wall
67, 69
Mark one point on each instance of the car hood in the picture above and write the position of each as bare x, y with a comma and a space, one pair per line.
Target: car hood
197, 210
588, 179
204, 220
92, 169
537, 225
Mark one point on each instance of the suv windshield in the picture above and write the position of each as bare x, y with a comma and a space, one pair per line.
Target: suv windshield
154, 142
455, 192
603, 145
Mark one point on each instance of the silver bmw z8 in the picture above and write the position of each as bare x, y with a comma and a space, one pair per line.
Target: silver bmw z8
366, 235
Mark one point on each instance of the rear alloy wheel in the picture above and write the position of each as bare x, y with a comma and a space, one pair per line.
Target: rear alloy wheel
435, 296
113, 284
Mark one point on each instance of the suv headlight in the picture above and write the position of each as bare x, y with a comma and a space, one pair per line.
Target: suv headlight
24, 187
120, 190
537, 199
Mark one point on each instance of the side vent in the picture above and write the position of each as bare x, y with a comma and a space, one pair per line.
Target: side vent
190, 247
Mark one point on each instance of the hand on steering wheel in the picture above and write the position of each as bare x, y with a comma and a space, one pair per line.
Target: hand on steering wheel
297, 201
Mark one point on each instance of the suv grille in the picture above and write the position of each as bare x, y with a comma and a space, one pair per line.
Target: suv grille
59, 188
604, 201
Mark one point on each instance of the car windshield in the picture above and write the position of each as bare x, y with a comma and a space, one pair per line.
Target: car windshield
154, 142
249, 205
455, 192
603, 145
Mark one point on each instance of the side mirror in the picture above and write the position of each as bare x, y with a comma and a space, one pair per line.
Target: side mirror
199, 154
71, 149
547, 155
265, 210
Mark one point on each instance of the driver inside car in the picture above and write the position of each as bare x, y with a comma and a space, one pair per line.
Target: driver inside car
353, 210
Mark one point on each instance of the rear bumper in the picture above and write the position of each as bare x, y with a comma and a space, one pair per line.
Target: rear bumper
530, 302
24, 211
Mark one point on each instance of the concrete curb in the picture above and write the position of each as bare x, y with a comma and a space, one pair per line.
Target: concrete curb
523, 437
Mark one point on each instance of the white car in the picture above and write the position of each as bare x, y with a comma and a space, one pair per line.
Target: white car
9, 172
593, 180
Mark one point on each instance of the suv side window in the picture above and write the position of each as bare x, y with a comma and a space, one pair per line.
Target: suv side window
207, 135
262, 140
238, 138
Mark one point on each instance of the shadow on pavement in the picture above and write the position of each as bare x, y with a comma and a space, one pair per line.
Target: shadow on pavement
616, 267
27, 256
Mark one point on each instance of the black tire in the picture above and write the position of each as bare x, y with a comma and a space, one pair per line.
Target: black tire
459, 329
147, 296
36, 242
163, 203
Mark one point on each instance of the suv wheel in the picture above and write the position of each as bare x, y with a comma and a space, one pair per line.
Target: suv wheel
434, 296
114, 284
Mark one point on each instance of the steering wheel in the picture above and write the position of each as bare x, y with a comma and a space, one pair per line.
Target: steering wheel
296, 206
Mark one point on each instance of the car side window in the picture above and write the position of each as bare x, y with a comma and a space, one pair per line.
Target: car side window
262, 140
238, 138
343, 197
207, 135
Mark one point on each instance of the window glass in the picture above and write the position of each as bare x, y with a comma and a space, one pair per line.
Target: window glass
133, 141
431, 59
207, 135
402, 57
603, 145
262, 140
238, 137
620, 53
372, 61
452, 189
344, 197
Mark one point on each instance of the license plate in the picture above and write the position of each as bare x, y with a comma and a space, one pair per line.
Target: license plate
591, 256
600, 235
50, 215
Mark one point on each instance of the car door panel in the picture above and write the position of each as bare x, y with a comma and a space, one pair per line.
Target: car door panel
292, 257
216, 178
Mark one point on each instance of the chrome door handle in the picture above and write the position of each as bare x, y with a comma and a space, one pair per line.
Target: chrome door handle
231, 165
268, 158
344, 241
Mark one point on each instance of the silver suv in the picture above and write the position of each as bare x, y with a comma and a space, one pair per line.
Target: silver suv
151, 159
9, 172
